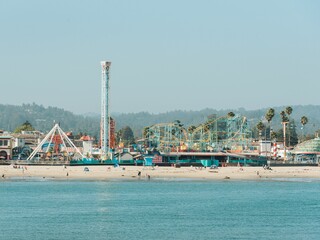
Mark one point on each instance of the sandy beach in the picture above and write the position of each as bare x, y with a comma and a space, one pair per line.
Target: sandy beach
141, 172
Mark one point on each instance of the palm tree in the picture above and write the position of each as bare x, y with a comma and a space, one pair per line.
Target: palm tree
230, 114
269, 116
260, 127
304, 120
206, 127
273, 135
145, 132
284, 121
178, 123
191, 129
289, 111
284, 117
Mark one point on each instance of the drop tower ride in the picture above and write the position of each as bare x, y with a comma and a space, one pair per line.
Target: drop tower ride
105, 112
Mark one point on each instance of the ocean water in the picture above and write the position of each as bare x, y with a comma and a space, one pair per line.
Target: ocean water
159, 209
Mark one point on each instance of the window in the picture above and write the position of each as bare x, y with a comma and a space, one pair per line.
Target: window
4, 142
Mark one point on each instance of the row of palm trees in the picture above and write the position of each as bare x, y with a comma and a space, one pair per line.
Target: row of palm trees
285, 119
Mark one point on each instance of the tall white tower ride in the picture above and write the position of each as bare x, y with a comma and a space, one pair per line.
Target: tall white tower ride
105, 114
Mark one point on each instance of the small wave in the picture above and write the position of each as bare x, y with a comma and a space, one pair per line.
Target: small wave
307, 180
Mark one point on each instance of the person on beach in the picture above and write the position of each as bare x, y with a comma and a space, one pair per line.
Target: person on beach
139, 173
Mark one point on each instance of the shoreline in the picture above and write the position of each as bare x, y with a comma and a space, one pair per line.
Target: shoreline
8, 172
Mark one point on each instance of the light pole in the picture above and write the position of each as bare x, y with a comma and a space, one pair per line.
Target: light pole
284, 141
290, 129
271, 143
265, 137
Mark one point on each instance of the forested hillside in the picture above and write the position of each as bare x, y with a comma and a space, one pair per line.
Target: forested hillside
43, 118
137, 121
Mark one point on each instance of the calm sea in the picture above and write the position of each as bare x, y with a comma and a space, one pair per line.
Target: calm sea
159, 209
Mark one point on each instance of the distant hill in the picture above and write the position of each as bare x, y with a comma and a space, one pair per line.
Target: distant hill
137, 121
43, 118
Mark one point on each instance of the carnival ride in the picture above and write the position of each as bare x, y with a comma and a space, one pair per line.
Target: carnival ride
105, 110
216, 134
56, 145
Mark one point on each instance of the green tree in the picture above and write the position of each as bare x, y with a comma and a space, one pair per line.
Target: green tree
284, 121
126, 135
260, 126
26, 126
145, 132
284, 117
304, 120
293, 133
230, 114
79, 135
191, 129
293, 140
269, 116
273, 136
279, 134
288, 112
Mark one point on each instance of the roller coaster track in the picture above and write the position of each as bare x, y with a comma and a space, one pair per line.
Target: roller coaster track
168, 135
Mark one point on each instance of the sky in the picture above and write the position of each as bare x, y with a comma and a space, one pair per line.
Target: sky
166, 55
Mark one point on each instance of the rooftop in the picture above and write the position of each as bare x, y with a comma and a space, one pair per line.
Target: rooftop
312, 145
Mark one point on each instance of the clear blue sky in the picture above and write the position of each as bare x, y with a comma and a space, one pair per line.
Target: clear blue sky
166, 55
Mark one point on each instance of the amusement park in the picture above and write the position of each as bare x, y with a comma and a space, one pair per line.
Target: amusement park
229, 132
219, 141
